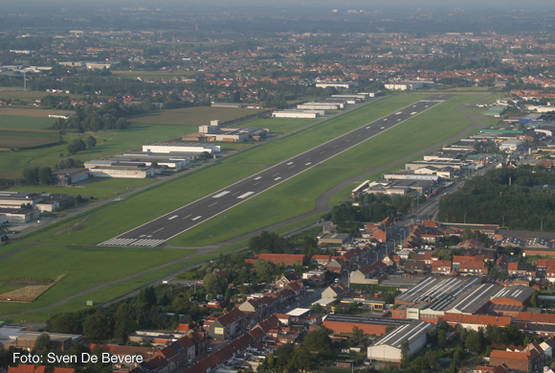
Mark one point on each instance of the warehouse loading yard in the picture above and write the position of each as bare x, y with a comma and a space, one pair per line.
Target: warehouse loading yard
158, 231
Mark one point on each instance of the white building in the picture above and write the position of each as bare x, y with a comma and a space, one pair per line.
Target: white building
390, 347
308, 114
407, 85
320, 106
511, 145
166, 148
122, 172
333, 85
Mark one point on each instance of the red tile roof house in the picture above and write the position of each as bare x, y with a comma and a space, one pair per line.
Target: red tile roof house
470, 264
520, 361
229, 325
441, 266
25, 368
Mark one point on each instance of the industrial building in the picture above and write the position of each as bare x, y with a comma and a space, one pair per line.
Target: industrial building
292, 113
215, 132
434, 297
394, 187
415, 165
320, 106
370, 325
70, 176
411, 176
407, 85
324, 84
178, 147
390, 347
114, 168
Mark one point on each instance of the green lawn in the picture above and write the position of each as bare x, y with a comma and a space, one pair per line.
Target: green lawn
99, 188
193, 116
11, 139
16, 121
108, 143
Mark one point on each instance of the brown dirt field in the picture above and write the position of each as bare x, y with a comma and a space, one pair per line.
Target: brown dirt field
39, 113
29, 293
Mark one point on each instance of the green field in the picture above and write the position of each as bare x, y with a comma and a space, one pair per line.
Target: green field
108, 143
13, 139
17, 122
298, 196
58, 248
99, 188
193, 116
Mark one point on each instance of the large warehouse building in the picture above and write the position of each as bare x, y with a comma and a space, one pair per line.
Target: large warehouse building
344, 324
177, 147
390, 347
308, 114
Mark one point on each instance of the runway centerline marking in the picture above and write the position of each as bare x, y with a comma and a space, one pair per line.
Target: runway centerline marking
245, 195
221, 194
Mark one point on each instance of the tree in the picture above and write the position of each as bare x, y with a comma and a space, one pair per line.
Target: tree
76, 146
405, 353
97, 327
31, 175
264, 270
42, 344
473, 341
45, 176
91, 142
214, 283
318, 341
124, 323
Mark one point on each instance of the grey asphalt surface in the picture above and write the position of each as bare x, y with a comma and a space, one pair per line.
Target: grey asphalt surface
156, 232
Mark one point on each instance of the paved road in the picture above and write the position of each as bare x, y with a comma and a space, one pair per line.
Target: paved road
158, 231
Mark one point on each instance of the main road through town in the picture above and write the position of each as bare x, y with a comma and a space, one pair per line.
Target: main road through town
159, 230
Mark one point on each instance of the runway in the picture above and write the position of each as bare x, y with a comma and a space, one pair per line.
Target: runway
156, 232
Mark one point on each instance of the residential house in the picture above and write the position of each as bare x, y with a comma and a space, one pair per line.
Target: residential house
470, 264
334, 291
441, 266
229, 325
515, 360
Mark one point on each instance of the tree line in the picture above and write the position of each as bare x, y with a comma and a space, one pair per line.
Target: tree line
522, 198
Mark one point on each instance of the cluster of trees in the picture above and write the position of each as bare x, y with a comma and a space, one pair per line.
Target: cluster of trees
370, 207
78, 145
219, 276
521, 198
38, 176
69, 163
56, 102
315, 349
90, 118
150, 309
